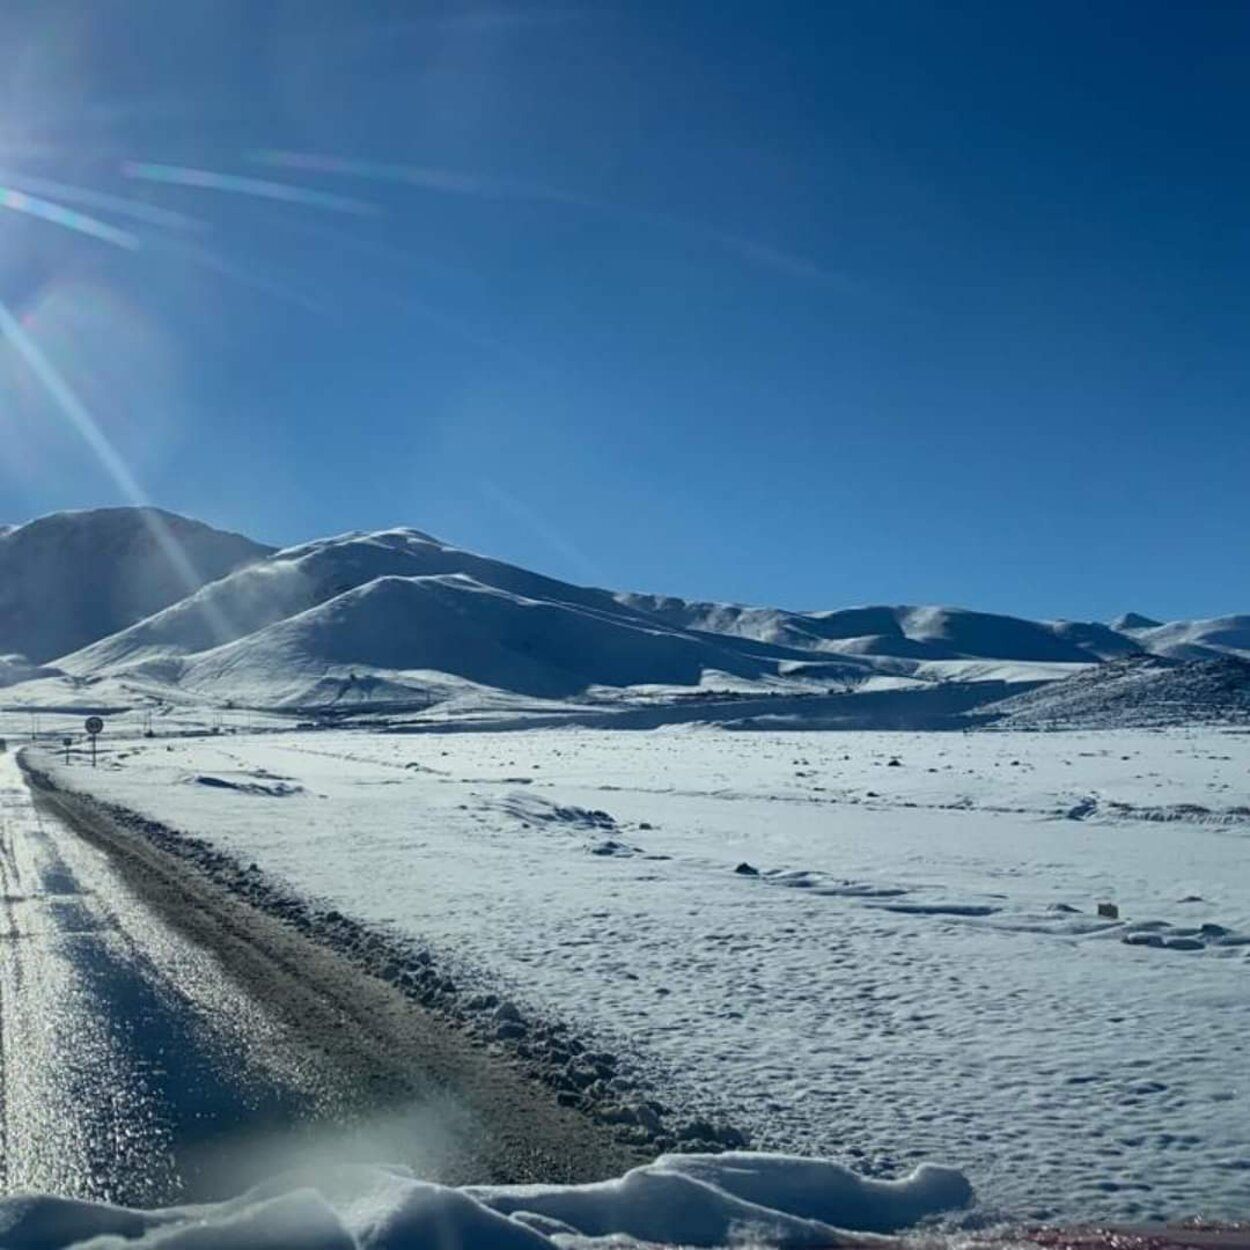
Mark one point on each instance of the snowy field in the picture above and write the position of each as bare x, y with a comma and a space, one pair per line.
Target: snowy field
914, 970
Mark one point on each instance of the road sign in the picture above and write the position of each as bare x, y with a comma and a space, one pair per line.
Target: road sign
93, 726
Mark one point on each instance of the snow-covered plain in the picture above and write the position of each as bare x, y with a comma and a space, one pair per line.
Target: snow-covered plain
918, 970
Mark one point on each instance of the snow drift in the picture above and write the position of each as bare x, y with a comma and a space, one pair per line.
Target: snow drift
691, 1200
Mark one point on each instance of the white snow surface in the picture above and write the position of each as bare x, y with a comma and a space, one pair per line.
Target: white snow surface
1191, 640
141, 605
915, 969
691, 1200
71, 578
15, 670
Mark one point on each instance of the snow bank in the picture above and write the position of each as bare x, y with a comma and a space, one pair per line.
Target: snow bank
694, 1200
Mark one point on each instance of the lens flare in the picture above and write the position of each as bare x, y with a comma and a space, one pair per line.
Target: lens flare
450, 182
262, 188
136, 210
248, 275
59, 215
426, 176
85, 425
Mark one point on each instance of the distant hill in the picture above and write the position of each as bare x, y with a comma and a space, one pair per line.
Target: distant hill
1195, 640
71, 578
944, 633
1133, 620
296, 579
160, 606
379, 641
1147, 691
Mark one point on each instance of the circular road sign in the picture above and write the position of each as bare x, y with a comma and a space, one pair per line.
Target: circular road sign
94, 724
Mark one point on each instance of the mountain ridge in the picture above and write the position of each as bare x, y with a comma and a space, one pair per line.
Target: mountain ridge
401, 612
69, 578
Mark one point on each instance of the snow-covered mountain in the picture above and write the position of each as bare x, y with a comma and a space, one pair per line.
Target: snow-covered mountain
379, 617
904, 631
399, 618
74, 577
1197, 640
393, 637
298, 578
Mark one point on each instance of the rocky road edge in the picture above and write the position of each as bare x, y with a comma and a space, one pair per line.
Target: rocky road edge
583, 1075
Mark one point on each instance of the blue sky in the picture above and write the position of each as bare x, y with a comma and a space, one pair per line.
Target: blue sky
810, 304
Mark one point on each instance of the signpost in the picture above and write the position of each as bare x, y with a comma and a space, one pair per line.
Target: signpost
93, 726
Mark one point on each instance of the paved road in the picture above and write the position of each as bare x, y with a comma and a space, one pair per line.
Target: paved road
151, 1050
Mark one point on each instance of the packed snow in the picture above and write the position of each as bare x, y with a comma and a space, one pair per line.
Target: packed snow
691, 1200
1026, 954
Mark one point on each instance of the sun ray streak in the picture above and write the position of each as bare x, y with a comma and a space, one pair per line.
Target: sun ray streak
263, 188
19, 202
427, 177
248, 275
88, 429
136, 210
69, 404
451, 182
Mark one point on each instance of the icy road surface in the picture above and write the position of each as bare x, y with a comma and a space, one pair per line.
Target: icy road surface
912, 967
138, 1067
125, 1051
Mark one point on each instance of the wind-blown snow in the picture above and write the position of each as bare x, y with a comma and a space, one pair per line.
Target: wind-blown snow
362, 623
72, 578
689, 1200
